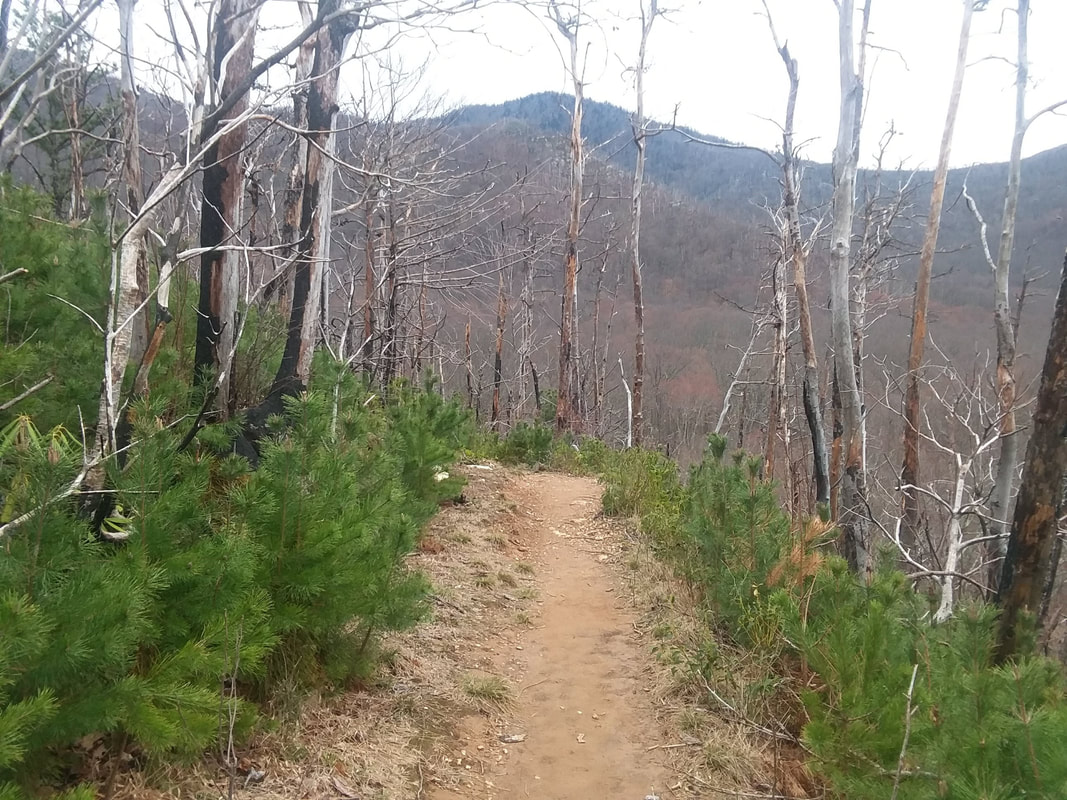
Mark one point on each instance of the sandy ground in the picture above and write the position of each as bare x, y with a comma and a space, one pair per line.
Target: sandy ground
580, 706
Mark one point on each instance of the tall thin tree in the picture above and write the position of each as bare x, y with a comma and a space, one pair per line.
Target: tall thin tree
797, 254
567, 404
909, 474
852, 515
639, 127
231, 58
316, 203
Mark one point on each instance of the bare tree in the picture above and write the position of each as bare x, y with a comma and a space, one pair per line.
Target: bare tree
909, 474
231, 58
568, 22
640, 133
1028, 561
1003, 321
796, 251
501, 325
852, 517
316, 203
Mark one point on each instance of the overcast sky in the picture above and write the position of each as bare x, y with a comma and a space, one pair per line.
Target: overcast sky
715, 61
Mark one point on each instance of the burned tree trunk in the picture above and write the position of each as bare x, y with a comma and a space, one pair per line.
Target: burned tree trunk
281, 287
469, 365
1033, 529
640, 134
909, 474
797, 254
501, 322
567, 403
235, 26
779, 322
128, 263
313, 251
852, 517
1008, 457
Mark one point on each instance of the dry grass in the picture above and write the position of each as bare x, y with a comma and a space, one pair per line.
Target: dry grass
491, 692
734, 751
391, 741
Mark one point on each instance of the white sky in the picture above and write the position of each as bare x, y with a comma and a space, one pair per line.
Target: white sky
715, 61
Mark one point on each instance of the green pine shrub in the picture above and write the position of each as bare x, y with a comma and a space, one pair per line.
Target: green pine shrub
639, 482
274, 580
334, 519
527, 444
977, 732
42, 335
427, 434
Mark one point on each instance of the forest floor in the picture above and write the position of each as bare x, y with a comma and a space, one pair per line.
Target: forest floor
535, 676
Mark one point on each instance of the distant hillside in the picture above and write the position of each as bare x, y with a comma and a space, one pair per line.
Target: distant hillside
710, 174
736, 183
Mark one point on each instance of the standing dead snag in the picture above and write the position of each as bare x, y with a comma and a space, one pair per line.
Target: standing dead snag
1002, 314
640, 134
128, 264
567, 405
909, 474
1033, 529
282, 285
852, 515
315, 211
796, 252
501, 322
216, 324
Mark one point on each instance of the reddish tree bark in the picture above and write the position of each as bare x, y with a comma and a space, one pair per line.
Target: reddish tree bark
235, 25
909, 473
316, 205
1028, 562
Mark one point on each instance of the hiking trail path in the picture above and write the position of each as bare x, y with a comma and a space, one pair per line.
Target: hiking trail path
578, 671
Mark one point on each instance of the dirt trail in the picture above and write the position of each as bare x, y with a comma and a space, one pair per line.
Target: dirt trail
577, 673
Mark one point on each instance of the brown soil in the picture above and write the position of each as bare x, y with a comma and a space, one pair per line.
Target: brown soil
581, 700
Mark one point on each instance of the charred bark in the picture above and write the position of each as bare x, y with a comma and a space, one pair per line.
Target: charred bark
498, 374
235, 26
1033, 529
1008, 457
313, 251
567, 402
852, 518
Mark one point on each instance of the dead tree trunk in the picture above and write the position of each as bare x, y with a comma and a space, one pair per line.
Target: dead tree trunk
469, 365
909, 474
235, 26
1008, 458
598, 372
127, 268
779, 321
315, 211
797, 254
567, 402
852, 514
640, 134
369, 288
282, 285
1033, 528
501, 322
